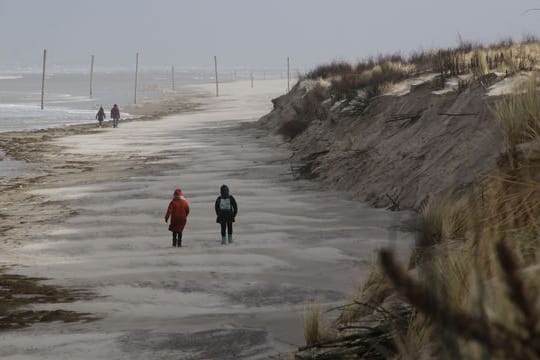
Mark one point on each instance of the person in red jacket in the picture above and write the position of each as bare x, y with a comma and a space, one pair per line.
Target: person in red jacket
178, 211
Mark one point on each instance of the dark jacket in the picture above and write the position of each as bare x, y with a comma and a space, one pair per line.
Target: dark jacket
115, 112
100, 114
226, 207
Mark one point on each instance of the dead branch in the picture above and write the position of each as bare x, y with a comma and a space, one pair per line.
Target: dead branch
457, 114
399, 117
395, 203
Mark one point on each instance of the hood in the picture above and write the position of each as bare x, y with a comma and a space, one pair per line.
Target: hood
178, 193
224, 191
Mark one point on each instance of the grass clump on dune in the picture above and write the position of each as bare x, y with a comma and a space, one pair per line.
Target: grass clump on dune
519, 117
471, 290
315, 331
376, 75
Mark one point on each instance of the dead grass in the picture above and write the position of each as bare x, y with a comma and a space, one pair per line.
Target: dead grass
370, 295
373, 80
310, 109
376, 75
315, 331
519, 117
440, 219
470, 285
329, 70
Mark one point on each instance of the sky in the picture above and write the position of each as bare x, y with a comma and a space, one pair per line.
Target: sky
251, 33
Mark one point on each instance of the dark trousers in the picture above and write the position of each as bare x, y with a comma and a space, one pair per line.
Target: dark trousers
176, 238
226, 225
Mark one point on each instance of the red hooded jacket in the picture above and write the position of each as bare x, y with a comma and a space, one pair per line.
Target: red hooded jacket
178, 211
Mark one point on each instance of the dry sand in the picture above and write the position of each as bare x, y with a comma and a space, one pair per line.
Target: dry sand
94, 220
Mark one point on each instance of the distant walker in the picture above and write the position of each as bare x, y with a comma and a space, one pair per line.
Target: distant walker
115, 115
100, 116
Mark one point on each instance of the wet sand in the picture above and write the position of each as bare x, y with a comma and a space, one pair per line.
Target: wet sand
94, 220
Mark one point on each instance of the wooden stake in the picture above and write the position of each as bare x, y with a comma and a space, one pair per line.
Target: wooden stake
136, 76
43, 77
172, 76
91, 74
217, 81
288, 75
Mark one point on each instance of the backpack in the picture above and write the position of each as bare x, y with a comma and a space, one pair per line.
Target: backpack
225, 204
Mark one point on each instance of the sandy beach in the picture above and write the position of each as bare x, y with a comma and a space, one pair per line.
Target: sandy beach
89, 215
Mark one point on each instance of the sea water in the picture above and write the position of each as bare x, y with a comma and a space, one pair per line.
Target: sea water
67, 94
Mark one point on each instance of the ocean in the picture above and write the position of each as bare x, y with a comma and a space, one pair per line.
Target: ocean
67, 94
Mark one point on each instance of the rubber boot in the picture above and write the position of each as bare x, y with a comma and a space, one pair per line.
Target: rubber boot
179, 243
229, 239
223, 240
174, 242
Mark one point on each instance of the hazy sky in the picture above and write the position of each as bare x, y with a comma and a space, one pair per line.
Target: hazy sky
246, 32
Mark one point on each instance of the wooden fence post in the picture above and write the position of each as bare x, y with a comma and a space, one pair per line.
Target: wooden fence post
217, 81
91, 74
43, 77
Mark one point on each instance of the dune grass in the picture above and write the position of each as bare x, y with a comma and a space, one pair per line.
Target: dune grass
310, 109
375, 75
315, 331
519, 117
470, 286
472, 282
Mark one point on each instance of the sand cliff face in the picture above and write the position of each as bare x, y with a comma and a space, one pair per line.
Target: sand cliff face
405, 146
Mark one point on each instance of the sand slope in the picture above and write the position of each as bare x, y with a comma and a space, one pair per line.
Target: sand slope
407, 145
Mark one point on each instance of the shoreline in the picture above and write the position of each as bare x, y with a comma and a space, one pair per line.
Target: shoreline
148, 111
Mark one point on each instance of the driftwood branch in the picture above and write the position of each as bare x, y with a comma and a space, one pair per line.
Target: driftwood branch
394, 201
458, 114
293, 170
399, 117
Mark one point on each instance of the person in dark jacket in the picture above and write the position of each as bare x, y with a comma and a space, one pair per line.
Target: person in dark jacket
226, 210
178, 211
100, 116
115, 115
